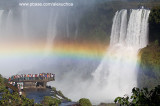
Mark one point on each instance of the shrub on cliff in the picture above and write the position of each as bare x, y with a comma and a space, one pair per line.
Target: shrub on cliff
141, 97
85, 102
149, 73
13, 99
1, 83
154, 24
49, 101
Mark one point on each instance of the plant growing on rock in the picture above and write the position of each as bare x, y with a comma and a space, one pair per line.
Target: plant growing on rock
85, 102
141, 97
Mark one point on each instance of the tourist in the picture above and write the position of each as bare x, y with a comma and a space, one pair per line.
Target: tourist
45, 76
14, 83
21, 77
50, 75
40, 76
28, 77
20, 93
18, 86
10, 82
21, 87
33, 75
36, 77
17, 78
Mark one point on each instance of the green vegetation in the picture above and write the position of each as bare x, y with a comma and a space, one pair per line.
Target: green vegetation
154, 24
149, 73
85, 102
13, 99
54, 89
155, 15
49, 101
141, 97
1, 84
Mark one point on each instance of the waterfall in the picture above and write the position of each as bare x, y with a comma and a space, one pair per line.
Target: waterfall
52, 31
1, 12
115, 76
9, 24
77, 29
24, 20
138, 28
67, 25
117, 73
119, 27
6, 24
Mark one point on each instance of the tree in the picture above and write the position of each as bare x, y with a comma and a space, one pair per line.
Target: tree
14, 99
1, 83
154, 24
156, 43
85, 102
141, 97
49, 101
154, 17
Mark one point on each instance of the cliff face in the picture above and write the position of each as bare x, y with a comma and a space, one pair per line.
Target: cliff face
149, 71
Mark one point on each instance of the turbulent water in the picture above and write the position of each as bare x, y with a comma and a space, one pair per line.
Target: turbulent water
117, 73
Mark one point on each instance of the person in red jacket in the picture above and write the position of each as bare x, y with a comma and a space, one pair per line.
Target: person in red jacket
36, 77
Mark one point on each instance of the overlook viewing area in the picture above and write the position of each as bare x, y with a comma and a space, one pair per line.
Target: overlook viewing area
32, 80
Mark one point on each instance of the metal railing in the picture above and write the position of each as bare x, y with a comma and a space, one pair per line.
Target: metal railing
33, 79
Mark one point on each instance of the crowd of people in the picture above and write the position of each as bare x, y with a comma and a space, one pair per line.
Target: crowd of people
40, 76
15, 80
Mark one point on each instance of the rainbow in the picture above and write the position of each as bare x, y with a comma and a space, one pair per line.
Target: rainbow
62, 49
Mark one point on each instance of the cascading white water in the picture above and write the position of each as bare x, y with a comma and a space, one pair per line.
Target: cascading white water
119, 27
123, 26
77, 28
9, 24
117, 73
138, 28
1, 12
52, 31
67, 25
25, 24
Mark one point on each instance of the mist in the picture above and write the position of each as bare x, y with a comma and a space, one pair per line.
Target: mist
31, 37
